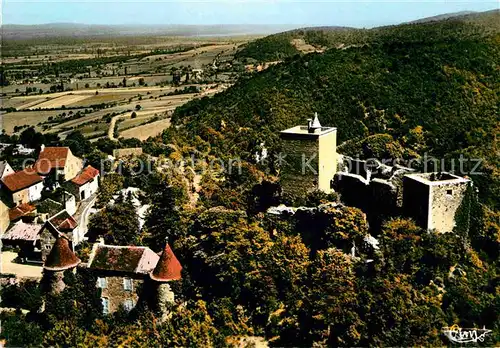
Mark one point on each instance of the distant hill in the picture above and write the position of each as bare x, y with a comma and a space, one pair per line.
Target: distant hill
279, 46
443, 17
14, 31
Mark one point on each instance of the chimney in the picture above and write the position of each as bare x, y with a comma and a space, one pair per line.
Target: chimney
42, 147
309, 124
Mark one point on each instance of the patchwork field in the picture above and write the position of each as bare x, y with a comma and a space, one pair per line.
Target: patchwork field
146, 131
99, 94
59, 102
12, 119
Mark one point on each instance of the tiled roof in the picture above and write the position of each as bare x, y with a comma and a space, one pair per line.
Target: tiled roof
85, 176
63, 221
50, 158
21, 210
22, 231
21, 180
168, 268
130, 259
61, 256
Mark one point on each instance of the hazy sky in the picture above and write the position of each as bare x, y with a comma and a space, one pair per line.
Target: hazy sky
346, 13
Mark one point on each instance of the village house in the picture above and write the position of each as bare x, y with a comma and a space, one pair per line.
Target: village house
60, 224
120, 271
25, 236
84, 184
24, 186
59, 161
5, 170
127, 274
35, 237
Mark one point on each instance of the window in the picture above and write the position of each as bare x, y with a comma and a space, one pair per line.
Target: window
128, 305
105, 305
449, 192
127, 284
102, 283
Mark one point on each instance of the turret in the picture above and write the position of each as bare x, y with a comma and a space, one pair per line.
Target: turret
60, 259
167, 269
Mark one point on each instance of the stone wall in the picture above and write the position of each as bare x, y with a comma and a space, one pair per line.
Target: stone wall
55, 281
47, 240
293, 179
416, 201
378, 198
445, 201
115, 292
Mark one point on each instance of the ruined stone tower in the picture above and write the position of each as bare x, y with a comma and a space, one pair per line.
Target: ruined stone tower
432, 199
167, 269
60, 259
309, 158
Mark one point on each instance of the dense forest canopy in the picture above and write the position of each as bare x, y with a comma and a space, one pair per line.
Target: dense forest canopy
440, 77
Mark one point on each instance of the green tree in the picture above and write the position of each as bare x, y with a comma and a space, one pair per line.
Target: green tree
117, 223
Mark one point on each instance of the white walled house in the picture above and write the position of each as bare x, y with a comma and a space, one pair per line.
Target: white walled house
85, 184
25, 186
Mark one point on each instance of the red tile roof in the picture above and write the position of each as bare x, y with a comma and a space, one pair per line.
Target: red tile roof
63, 221
21, 210
130, 259
85, 176
21, 180
50, 158
61, 256
168, 268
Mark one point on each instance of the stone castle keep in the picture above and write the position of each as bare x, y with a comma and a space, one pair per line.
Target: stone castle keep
312, 163
311, 154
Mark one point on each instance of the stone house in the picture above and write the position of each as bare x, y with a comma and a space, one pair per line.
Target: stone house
129, 274
26, 237
59, 161
84, 184
36, 237
24, 186
121, 271
60, 224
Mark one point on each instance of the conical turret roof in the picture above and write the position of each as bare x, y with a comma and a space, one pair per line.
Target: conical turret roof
168, 267
61, 256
